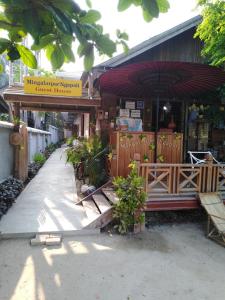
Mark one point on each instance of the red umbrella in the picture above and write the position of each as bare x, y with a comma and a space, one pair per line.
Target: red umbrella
159, 78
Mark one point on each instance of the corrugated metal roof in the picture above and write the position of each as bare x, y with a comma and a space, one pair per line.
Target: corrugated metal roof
150, 43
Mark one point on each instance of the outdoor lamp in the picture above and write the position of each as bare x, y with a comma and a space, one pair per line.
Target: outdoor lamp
167, 107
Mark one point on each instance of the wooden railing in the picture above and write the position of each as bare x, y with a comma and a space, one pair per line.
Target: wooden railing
177, 179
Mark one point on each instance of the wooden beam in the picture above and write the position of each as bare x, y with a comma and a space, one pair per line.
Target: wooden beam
173, 204
43, 99
16, 150
54, 109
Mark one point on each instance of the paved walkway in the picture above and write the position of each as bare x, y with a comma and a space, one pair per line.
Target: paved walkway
47, 204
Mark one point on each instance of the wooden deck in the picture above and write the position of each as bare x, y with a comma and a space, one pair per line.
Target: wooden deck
172, 203
177, 186
169, 187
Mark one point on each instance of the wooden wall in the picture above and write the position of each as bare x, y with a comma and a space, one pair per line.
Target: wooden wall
170, 146
184, 48
125, 144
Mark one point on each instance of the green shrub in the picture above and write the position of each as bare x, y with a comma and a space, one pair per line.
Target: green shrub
51, 147
70, 140
90, 152
4, 117
39, 158
129, 209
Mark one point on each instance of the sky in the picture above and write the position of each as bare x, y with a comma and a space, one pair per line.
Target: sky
132, 22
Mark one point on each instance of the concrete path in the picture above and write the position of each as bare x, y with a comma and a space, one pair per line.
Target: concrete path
47, 204
165, 263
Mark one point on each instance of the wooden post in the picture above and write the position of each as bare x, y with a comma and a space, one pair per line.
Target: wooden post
82, 124
90, 85
16, 128
92, 121
20, 150
16, 107
23, 154
209, 161
185, 130
138, 227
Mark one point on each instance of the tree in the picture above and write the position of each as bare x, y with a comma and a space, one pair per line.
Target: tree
55, 24
212, 31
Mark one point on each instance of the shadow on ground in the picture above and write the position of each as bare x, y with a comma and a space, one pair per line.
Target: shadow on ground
166, 262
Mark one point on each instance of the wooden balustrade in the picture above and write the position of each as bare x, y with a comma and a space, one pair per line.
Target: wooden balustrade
182, 179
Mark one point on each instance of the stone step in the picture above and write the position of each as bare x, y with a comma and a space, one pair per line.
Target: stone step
91, 209
101, 202
110, 194
46, 239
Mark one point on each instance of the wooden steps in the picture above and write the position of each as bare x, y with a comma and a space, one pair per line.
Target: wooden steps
98, 206
102, 202
110, 194
91, 209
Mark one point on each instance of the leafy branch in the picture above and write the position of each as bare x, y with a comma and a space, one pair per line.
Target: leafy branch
55, 25
212, 31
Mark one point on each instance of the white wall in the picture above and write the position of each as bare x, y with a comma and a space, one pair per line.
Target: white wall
54, 134
6, 151
37, 142
67, 133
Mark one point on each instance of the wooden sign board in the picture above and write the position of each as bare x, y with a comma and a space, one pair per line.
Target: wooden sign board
52, 86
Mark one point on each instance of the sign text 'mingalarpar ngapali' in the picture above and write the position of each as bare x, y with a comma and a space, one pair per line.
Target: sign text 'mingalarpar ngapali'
52, 86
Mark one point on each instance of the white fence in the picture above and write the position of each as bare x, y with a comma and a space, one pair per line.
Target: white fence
6, 151
54, 131
38, 140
